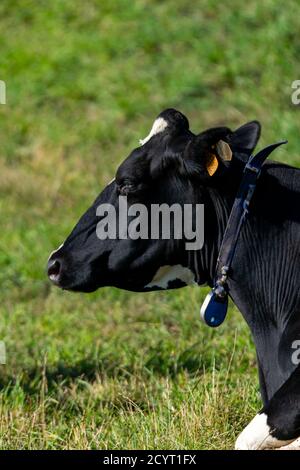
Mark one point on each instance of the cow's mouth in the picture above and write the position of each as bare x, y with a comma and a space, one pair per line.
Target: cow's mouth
71, 286
60, 278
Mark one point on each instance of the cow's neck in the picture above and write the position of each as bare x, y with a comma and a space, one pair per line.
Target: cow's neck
217, 206
251, 289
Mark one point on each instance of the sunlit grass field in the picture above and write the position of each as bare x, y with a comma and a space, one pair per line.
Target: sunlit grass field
85, 81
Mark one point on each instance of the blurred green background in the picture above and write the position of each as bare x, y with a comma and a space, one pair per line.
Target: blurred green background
85, 81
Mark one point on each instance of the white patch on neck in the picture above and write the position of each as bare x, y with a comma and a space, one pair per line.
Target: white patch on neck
257, 436
159, 125
165, 274
53, 252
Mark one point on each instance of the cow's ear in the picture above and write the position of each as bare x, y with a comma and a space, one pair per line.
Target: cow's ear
221, 152
208, 150
245, 138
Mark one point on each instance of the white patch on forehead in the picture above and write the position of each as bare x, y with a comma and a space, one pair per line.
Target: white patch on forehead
257, 436
165, 274
57, 249
159, 125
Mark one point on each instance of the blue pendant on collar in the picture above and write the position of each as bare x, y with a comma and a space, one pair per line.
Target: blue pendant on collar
215, 305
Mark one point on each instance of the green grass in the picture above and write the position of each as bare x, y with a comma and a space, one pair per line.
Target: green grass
84, 82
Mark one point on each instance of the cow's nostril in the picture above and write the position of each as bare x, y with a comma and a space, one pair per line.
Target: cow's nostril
54, 269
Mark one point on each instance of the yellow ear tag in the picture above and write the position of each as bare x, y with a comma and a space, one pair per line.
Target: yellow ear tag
212, 164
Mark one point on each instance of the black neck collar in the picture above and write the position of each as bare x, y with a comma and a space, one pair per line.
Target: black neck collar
214, 308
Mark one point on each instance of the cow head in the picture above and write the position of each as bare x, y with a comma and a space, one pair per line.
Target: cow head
172, 166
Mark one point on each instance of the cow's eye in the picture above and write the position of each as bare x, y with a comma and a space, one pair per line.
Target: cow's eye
132, 188
126, 188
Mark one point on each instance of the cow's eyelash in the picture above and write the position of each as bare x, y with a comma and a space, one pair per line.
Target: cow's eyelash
126, 188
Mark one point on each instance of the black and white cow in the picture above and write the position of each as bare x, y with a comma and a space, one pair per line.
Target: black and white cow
173, 165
